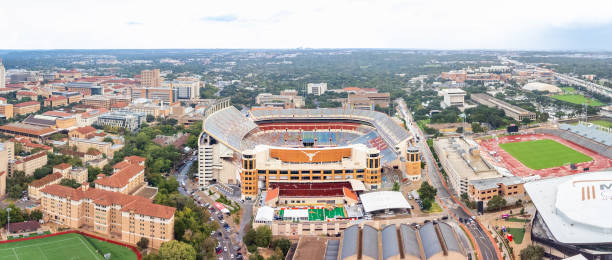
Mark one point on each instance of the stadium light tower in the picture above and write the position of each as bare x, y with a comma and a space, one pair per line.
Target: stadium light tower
8, 223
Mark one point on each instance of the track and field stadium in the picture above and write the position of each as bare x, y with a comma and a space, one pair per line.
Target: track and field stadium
547, 153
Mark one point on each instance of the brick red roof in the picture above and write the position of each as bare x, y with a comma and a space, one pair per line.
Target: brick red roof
46, 180
55, 98
122, 164
139, 205
315, 189
29, 226
26, 93
23, 128
86, 129
350, 194
120, 178
272, 194
134, 159
32, 157
62, 166
27, 104
57, 113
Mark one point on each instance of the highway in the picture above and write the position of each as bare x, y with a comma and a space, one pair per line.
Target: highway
485, 245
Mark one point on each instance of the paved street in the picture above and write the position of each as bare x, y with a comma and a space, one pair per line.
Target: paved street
486, 246
227, 239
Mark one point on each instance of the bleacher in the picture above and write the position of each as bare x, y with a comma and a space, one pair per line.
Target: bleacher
229, 126
392, 133
372, 139
584, 136
314, 189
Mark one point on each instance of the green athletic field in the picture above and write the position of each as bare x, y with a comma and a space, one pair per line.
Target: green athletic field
578, 99
320, 214
67, 246
542, 154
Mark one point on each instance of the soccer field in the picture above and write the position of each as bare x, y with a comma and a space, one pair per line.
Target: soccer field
542, 154
66, 246
578, 99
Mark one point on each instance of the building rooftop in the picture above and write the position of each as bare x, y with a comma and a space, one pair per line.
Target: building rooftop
137, 204
575, 208
491, 183
121, 178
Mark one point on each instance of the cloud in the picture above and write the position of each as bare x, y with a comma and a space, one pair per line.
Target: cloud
221, 18
133, 23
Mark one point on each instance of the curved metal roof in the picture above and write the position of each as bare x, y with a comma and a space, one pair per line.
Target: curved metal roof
409, 241
349, 241
369, 245
429, 239
390, 244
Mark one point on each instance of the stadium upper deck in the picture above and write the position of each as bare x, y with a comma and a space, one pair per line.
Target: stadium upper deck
392, 133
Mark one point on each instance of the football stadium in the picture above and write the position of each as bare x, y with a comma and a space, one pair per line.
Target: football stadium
267, 146
552, 152
304, 164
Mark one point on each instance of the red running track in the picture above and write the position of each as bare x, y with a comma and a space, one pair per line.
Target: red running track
507, 161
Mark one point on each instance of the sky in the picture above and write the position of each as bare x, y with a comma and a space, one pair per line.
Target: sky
411, 24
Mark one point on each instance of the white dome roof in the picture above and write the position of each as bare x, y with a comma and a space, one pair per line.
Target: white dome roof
541, 87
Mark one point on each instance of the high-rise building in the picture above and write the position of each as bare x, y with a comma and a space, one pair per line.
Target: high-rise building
185, 88
317, 89
2, 76
150, 78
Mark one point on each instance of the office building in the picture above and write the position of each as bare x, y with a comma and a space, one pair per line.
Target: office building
164, 94
83, 145
186, 88
122, 118
150, 78
6, 110
2, 76
26, 108
460, 158
28, 164
316, 89
509, 188
55, 101
127, 178
512, 111
453, 97
285, 100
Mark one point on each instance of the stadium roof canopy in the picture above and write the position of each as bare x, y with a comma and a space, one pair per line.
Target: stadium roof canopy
576, 208
265, 214
381, 200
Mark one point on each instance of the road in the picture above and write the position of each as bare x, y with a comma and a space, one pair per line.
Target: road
444, 194
225, 237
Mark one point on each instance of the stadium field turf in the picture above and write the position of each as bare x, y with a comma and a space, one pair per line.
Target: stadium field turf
66, 246
543, 154
578, 99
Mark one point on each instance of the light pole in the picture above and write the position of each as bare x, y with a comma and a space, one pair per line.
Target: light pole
8, 223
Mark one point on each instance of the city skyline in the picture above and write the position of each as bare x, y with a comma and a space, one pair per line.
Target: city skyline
520, 25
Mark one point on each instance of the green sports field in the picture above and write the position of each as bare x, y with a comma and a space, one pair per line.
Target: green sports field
542, 154
67, 246
578, 99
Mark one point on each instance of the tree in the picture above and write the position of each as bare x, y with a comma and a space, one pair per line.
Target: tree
460, 129
427, 191
532, 252
176, 250
427, 203
42, 172
70, 183
496, 203
476, 128
143, 243
263, 237
150, 118
282, 243
108, 139
396, 186
249, 237
36, 215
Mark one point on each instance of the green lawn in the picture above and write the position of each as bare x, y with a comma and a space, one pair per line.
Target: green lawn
568, 90
542, 154
578, 99
517, 234
67, 246
522, 220
435, 207
603, 123
116, 251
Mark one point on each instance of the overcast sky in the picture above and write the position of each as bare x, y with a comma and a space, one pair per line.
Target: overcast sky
431, 24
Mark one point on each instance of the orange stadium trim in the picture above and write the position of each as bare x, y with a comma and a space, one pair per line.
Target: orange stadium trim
310, 155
